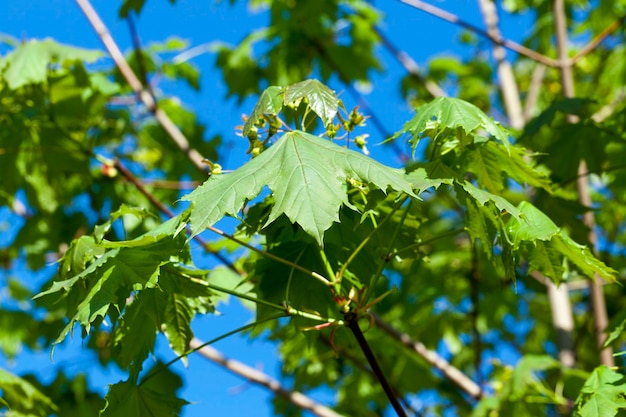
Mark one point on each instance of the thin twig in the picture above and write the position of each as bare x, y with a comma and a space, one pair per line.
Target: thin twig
536, 81
597, 40
449, 371
410, 66
257, 377
144, 95
141, 64
165, 210
598, 303
171, 185
452, 18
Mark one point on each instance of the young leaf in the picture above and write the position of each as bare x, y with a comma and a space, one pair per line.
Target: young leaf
322, 99
270, 102
129, 266
307, 176
547, 240
493, 164
482, 197
443, 117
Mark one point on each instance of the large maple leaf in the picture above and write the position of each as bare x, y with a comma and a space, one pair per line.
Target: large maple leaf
308, 177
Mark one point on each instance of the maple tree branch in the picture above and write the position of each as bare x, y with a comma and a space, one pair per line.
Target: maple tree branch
454, 19
193, 349
532, 96
508, 85
455, 375
171, 185
257, 377
411, 67
597, 40
351, 321
169, 213
144, 95
141, 64
598, 303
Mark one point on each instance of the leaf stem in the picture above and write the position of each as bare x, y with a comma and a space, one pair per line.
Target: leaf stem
288, 289
427, 241
381, 266
364, 242
351, 321
287, 309
217, 339
261, 252
246, 297
329, 270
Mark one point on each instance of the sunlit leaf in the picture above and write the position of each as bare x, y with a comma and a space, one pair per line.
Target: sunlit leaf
602, 395
307, 176
447, 118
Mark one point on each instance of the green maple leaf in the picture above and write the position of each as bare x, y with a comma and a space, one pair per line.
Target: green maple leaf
168, 308
127, 266
493, 164
453, 120
602, 395
548, 246
29, 62
322, 100
308, 177
144, 400
270, 102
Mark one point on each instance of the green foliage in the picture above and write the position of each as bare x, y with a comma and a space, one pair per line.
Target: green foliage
602, 394
324, 234
30, 62
153, 397
451, 123
22, 398
308, 177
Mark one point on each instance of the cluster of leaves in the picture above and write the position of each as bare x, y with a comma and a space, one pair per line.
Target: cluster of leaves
61, 129
330, 233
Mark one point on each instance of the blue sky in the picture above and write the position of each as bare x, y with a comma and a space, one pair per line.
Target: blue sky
199, 22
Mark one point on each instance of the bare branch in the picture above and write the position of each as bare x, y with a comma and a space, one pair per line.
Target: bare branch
259, 378
144, 95
532, 96
563, 321
598, 303
410, 66
508, 85
433, 358
607, 110
452, 18
169, 213
597, 40
171, 185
